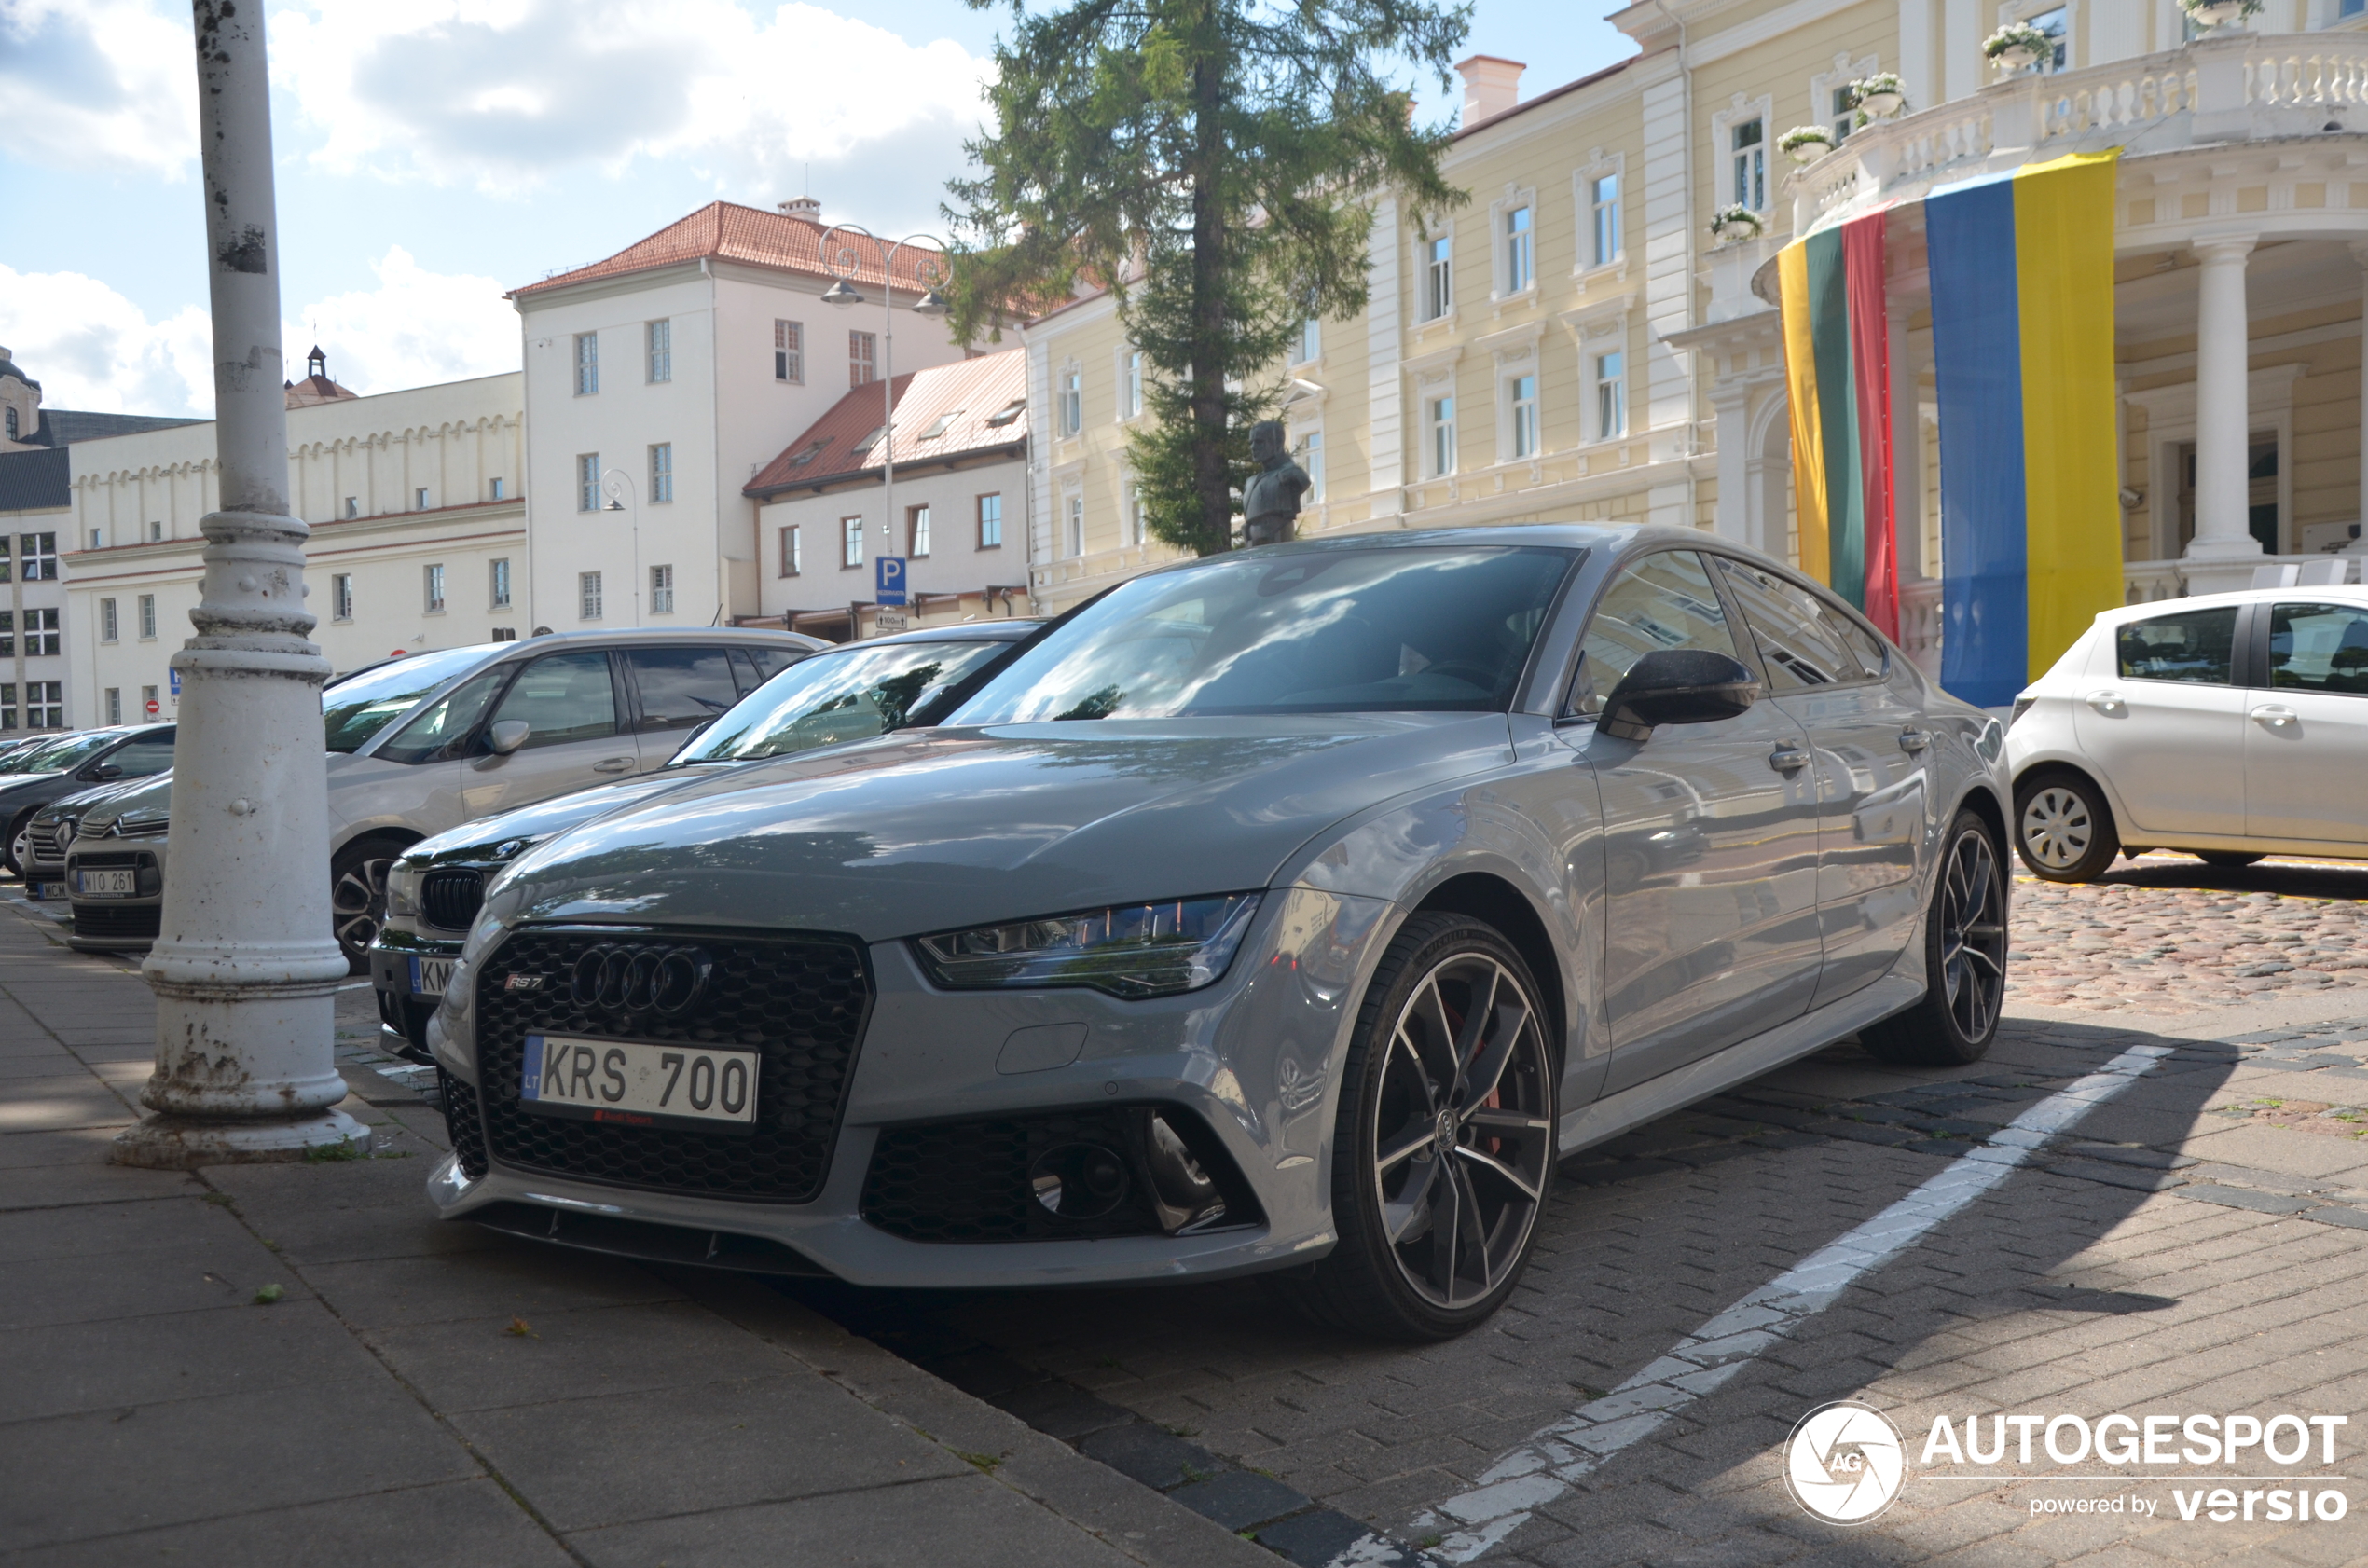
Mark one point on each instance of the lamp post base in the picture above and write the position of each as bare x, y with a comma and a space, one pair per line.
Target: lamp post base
185, 1143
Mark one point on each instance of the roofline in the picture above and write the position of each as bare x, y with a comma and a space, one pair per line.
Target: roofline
1525, 105
935, 462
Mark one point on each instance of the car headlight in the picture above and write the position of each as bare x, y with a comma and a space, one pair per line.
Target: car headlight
403, 889
1127, 950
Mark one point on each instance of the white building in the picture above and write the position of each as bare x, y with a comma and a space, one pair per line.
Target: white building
662, 377
419, 533
958, 515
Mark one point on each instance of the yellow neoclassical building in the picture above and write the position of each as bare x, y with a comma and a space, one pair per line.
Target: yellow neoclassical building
1575, 343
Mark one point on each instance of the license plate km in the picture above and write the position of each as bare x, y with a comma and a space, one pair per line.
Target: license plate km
629, 1083
430, 976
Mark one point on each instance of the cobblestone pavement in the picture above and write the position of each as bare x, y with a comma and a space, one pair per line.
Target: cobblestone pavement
2197, 1244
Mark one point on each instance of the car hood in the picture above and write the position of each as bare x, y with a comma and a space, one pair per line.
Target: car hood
474, 842
933, 830
146, 797
9, 781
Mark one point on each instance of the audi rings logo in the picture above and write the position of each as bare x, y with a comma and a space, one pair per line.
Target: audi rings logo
1845, 1461
667, 981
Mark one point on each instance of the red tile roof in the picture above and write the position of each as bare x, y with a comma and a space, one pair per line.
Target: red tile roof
731, 232
964, 397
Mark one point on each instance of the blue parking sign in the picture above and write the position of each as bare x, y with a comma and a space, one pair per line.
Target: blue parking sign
176, 681
888, 579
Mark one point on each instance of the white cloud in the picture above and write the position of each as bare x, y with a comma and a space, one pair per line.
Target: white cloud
104, 86
502, 92
92, 348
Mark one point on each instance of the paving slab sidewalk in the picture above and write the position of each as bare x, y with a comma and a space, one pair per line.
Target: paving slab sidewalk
430, 1394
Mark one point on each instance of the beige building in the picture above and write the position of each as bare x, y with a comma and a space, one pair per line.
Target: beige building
1575, 342
419, 533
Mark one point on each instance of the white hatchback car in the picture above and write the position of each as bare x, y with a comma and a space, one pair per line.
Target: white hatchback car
2230, 727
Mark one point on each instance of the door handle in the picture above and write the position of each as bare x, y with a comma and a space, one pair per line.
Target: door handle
1788, 759
613, 764
2277, 715
1914, 741
2104, 702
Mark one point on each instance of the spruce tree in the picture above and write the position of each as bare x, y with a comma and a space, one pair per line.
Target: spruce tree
1213, 163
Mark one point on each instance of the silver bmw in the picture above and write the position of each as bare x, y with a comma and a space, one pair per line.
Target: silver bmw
1289, 912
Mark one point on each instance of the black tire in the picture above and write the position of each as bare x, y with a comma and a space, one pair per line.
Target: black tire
358, 897
2227, 859
1965, 959
2063, 828
1409, 1093
10, 855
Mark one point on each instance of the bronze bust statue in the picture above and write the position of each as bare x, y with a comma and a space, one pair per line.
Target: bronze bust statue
1270, 502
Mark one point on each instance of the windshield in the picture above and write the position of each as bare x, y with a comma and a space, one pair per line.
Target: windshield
361, 706
1350, 631
69, 752
832, 697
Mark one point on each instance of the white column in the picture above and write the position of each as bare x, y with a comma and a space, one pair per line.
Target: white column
2224, 550
245, 969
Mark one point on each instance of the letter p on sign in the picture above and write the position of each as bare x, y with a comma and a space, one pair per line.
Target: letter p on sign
888, 579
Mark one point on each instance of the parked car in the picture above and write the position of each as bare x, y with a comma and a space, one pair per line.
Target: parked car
422, 744
1254, 918
850, 692
2229, 726
115, 868
16, 746
71, 765
52, 829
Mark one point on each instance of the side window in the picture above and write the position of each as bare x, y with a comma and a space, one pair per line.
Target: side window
2197, 645
446, 719
771, 662
2318, 648
1665, 600
142, 759
682, 687
562, 697
1800, 642
744, 671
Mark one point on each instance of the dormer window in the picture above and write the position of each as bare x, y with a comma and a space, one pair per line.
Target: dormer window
813, 450
12, 424
943, 424
1009, 413
863, 448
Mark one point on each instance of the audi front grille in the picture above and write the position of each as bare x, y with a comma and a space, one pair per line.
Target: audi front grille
799, 1001
450, 900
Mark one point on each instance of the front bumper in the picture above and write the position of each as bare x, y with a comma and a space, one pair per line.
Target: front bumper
1254, 1059
115, 925
404, 1013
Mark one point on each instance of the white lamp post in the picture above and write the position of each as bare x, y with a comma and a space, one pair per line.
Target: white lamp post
843, 261
613, 481
244, 968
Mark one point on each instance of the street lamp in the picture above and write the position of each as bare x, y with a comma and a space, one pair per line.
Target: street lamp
843, 261
609, 485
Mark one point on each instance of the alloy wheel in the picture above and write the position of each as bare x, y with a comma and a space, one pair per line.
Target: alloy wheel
358, 905
1973, 934
1462, 1134
2057, 826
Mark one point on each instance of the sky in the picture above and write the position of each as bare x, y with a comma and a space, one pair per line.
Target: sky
432, 155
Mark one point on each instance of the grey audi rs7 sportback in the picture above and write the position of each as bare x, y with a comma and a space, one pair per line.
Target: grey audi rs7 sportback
1289, 912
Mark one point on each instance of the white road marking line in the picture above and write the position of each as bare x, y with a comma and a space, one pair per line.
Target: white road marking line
1546, 1467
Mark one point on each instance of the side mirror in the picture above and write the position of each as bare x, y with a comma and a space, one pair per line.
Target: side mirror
1677, 686
508, 735
101, 772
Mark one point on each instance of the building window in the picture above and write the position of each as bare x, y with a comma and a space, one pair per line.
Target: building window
2052, 23
662, 471
1311, 340
1439, 278
661, 590
8, 705
587, 364
918, 529
851, 542
990, 522
433, 576
107, 630
661, 351
1131, 514
12, 424
115, 705
792, 552
1521, 391
498, 584
40, 552
788, 351
420, 498
1072, 416
588, 482
493, 489
7, 634
8, 562
1520, 252
1442, 422
1312, 460
1611, 396
587, 590
147, 618
341, 599
1845, 112
1603, 204
94, 540
1133, 392
1075, 540
862, 358
155, 531
41, 635
149, 707
44, 705
353, 506
1749, 143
